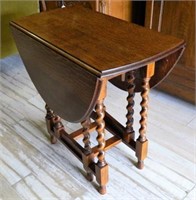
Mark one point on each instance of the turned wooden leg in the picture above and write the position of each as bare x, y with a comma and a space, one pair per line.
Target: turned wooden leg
54, 124
142, 142
100, 130
101, 166
49, 122
87, 146
129, 134
58, 126
86, 140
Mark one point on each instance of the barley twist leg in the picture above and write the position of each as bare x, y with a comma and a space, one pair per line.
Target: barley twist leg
101, 132
87, 146
101, 167
129, 131
142, 142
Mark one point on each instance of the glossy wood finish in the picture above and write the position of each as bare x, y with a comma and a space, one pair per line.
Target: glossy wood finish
85, 131
163, 67
87, 146
71, 61
129, 133
52, 72
123, 46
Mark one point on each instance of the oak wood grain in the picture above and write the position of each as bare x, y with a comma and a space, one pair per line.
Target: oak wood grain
51, 73
86, 36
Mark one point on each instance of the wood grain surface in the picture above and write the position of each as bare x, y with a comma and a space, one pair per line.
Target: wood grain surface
70, 91
67, 50
106, 44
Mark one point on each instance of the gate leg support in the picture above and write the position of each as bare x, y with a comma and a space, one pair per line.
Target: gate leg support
88, 156
142, 142
129, 134
101, 167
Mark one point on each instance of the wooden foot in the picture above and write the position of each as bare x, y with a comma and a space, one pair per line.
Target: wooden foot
90, 176
101, 177
58, 126
141, 152
53, 139
102, 189
140, 164
54, 124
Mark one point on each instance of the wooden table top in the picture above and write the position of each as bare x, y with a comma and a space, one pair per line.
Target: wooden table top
102, 44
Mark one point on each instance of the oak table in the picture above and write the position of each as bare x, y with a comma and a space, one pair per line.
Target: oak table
71, 54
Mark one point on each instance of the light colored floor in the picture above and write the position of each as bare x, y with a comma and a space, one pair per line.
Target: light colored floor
31, 168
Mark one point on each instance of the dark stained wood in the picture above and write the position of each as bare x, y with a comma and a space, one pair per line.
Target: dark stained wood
101, 167
92, 42
178, 20
100, 132
87, 146
86, 139
71, 54
162, 69
88, 160
129, 133
58, 126
92, 168
115, 128
51, 73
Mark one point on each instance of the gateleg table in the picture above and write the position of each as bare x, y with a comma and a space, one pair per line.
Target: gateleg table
71, 54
